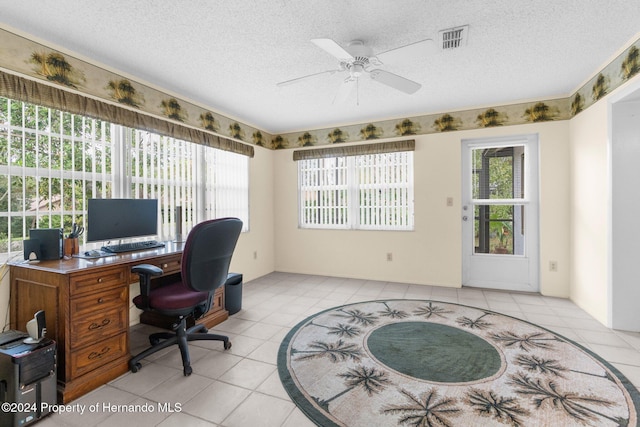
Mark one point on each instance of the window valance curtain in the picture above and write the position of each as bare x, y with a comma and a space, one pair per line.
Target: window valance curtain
22, 89
355, 150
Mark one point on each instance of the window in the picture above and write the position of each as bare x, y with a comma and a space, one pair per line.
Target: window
324, 192
52, 162
498, 187
205, 182
227, 186
368, 192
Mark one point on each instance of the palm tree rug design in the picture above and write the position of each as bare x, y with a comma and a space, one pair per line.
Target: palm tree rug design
429, 363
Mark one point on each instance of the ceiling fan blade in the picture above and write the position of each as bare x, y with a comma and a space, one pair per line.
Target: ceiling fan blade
410, 50
395, 81
298, 79
344, 90
333, 49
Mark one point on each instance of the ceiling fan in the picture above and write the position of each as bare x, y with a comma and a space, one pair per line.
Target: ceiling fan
358, 60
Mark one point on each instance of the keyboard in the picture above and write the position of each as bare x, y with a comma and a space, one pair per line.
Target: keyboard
133, 246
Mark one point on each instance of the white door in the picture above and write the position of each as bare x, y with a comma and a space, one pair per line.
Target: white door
500, 213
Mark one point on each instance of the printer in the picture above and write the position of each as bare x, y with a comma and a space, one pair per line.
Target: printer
27, 378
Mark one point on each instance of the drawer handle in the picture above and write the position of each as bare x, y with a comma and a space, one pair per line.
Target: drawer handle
100, 280
165, 265
95, 326
100, 300
95, 355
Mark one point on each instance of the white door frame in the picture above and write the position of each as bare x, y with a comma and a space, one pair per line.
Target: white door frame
622, 228
506, 272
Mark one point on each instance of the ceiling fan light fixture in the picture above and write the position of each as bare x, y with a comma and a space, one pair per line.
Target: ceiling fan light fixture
357, 70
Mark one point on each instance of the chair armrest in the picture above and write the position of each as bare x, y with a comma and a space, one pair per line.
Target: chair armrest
146, 271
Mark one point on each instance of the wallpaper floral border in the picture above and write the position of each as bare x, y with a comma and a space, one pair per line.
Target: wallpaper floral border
556, 109
32, 59
21, 55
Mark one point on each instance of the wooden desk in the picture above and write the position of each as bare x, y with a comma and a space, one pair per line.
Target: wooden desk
86, 303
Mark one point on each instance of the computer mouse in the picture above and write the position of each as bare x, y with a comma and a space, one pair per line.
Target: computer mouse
93, 254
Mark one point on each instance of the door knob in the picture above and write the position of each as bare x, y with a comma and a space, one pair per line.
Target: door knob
464, 218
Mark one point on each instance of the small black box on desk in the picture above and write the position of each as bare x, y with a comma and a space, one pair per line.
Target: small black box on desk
50, 242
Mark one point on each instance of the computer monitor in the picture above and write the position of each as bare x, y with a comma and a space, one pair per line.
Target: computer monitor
110, 219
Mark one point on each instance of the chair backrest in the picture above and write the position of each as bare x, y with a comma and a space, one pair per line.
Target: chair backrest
207, 253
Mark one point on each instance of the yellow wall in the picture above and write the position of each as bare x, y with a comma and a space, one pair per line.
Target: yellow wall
259, 239
431, 254
589, 207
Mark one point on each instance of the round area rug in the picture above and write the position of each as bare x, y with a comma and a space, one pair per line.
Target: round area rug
430, 363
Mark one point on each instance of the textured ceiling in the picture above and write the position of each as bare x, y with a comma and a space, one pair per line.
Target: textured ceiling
229, 55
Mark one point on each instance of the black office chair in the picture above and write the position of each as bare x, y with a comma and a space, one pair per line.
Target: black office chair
205, 265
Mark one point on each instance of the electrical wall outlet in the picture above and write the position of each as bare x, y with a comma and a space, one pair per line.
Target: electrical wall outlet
255, 254
389, 256
553, 266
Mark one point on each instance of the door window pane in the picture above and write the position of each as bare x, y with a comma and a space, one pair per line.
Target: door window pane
498, 229
498, 173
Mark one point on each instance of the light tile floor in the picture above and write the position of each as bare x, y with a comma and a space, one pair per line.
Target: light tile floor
241, 387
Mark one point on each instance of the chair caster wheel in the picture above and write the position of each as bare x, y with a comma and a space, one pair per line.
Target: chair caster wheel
154, 341
187, 371
135, 367
227, 345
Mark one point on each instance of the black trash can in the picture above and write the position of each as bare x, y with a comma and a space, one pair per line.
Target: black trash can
233, 293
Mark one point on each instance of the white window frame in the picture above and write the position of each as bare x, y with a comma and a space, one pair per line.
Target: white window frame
327, 180
340, 194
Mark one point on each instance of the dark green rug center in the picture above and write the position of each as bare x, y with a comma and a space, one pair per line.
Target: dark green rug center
434, 352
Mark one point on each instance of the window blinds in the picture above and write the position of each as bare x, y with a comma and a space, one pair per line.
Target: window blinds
373, 192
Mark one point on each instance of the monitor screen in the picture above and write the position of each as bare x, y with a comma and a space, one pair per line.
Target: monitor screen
109, 219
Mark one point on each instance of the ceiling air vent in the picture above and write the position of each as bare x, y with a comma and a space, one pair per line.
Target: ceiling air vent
453, 38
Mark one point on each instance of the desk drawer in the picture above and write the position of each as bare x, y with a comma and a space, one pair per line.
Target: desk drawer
97, 280
95, 327
169, 265
97, 355
114, 298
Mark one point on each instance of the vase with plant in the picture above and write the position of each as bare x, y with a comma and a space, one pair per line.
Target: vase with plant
503, 231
